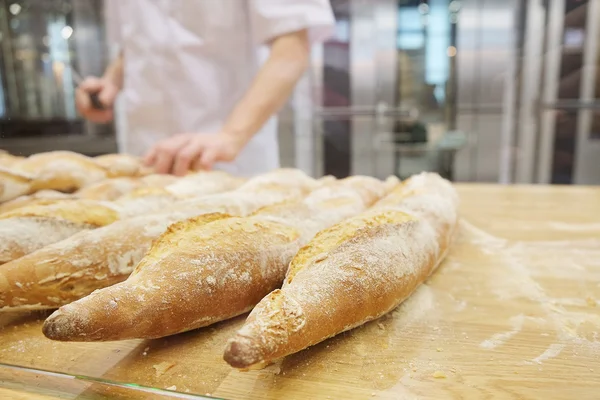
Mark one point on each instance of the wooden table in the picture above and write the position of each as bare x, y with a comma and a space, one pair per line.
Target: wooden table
512, 313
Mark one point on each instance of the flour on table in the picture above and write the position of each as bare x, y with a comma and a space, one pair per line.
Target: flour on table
551, 352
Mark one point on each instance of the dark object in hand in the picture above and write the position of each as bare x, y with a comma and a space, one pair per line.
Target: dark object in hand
96, 103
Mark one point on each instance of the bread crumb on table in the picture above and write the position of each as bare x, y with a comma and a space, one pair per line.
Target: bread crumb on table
163, 367
439, 375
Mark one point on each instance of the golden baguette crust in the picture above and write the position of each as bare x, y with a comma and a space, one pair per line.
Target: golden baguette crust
13, 184
79, 211
30, 228
110, 253
351, 273
196, 275
61, 170
37, 198
59, 274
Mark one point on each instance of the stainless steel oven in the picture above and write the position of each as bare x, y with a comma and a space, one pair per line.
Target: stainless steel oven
40, 43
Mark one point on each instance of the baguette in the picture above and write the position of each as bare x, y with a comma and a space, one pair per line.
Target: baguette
121, 165
159, 180
8, 160
68, 270
197, 274
37, 198
109, 189
30, 228
13, 184
64, 171
150, 199
352, 273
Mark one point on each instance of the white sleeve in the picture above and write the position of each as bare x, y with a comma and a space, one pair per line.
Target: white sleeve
272, 18
112, 21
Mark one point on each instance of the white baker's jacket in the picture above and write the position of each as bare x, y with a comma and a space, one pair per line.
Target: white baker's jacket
187, 63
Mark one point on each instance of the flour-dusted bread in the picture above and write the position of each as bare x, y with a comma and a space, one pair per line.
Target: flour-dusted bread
60, 170
109, 189
68, 270
7, 160
352, 273
197, 273
30, 228
37, 198
14, 184
159, 180
202, 183
152, 199
121, 165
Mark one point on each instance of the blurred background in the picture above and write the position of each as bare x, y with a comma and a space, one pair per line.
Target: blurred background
478, 90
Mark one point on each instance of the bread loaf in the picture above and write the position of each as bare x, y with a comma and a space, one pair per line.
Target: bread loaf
60, 170
30, 228
7, 160
151, 199
37, 198
109, 189
14, 184
197, 274
352, 273
20, 229
65, 271
120, 165
159, 180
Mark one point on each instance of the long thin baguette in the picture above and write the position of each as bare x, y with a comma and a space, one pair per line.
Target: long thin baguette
352, 273
30, 228
8, 160
23, 231
14, 184
121, 165
151, 199
37, 198
197, 274
68, 270
60, 170
109, 189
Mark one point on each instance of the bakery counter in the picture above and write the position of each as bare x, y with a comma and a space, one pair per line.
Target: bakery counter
512, 313
84, 144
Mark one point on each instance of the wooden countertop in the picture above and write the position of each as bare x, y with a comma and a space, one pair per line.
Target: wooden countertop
512, 313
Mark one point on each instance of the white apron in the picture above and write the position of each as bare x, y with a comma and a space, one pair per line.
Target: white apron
188, 62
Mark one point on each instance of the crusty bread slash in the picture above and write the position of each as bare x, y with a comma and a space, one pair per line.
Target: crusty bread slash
107, 255
14, 184
351, 273
198, 274
30, 228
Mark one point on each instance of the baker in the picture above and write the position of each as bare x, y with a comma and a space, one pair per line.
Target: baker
202, 80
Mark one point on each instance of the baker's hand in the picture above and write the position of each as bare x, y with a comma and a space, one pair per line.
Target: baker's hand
193, 151
107, 93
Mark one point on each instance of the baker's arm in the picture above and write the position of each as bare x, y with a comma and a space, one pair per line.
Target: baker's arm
114, 72
268, 91
271, 87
